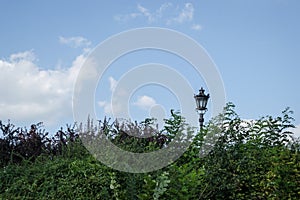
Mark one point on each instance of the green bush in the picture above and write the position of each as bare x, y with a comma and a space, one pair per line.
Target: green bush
247, 160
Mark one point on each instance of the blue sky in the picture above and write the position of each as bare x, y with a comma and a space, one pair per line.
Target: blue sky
254, 43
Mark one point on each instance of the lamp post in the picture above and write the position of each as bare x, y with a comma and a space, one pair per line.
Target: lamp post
201, 103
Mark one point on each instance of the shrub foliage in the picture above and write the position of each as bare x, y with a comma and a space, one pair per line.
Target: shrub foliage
256, 159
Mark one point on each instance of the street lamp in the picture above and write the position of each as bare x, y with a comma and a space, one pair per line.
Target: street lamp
201, 102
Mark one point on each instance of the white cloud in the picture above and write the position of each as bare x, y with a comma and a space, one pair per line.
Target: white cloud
296, 131
167, 13
30, 94
186, 14
163, 8
113, 108
112, 83
117, 107
26, 55
127, 17
107, 105
145, 102
142, 11
75, 42
196, 27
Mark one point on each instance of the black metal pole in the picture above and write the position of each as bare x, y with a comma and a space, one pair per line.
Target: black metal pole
201, 120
